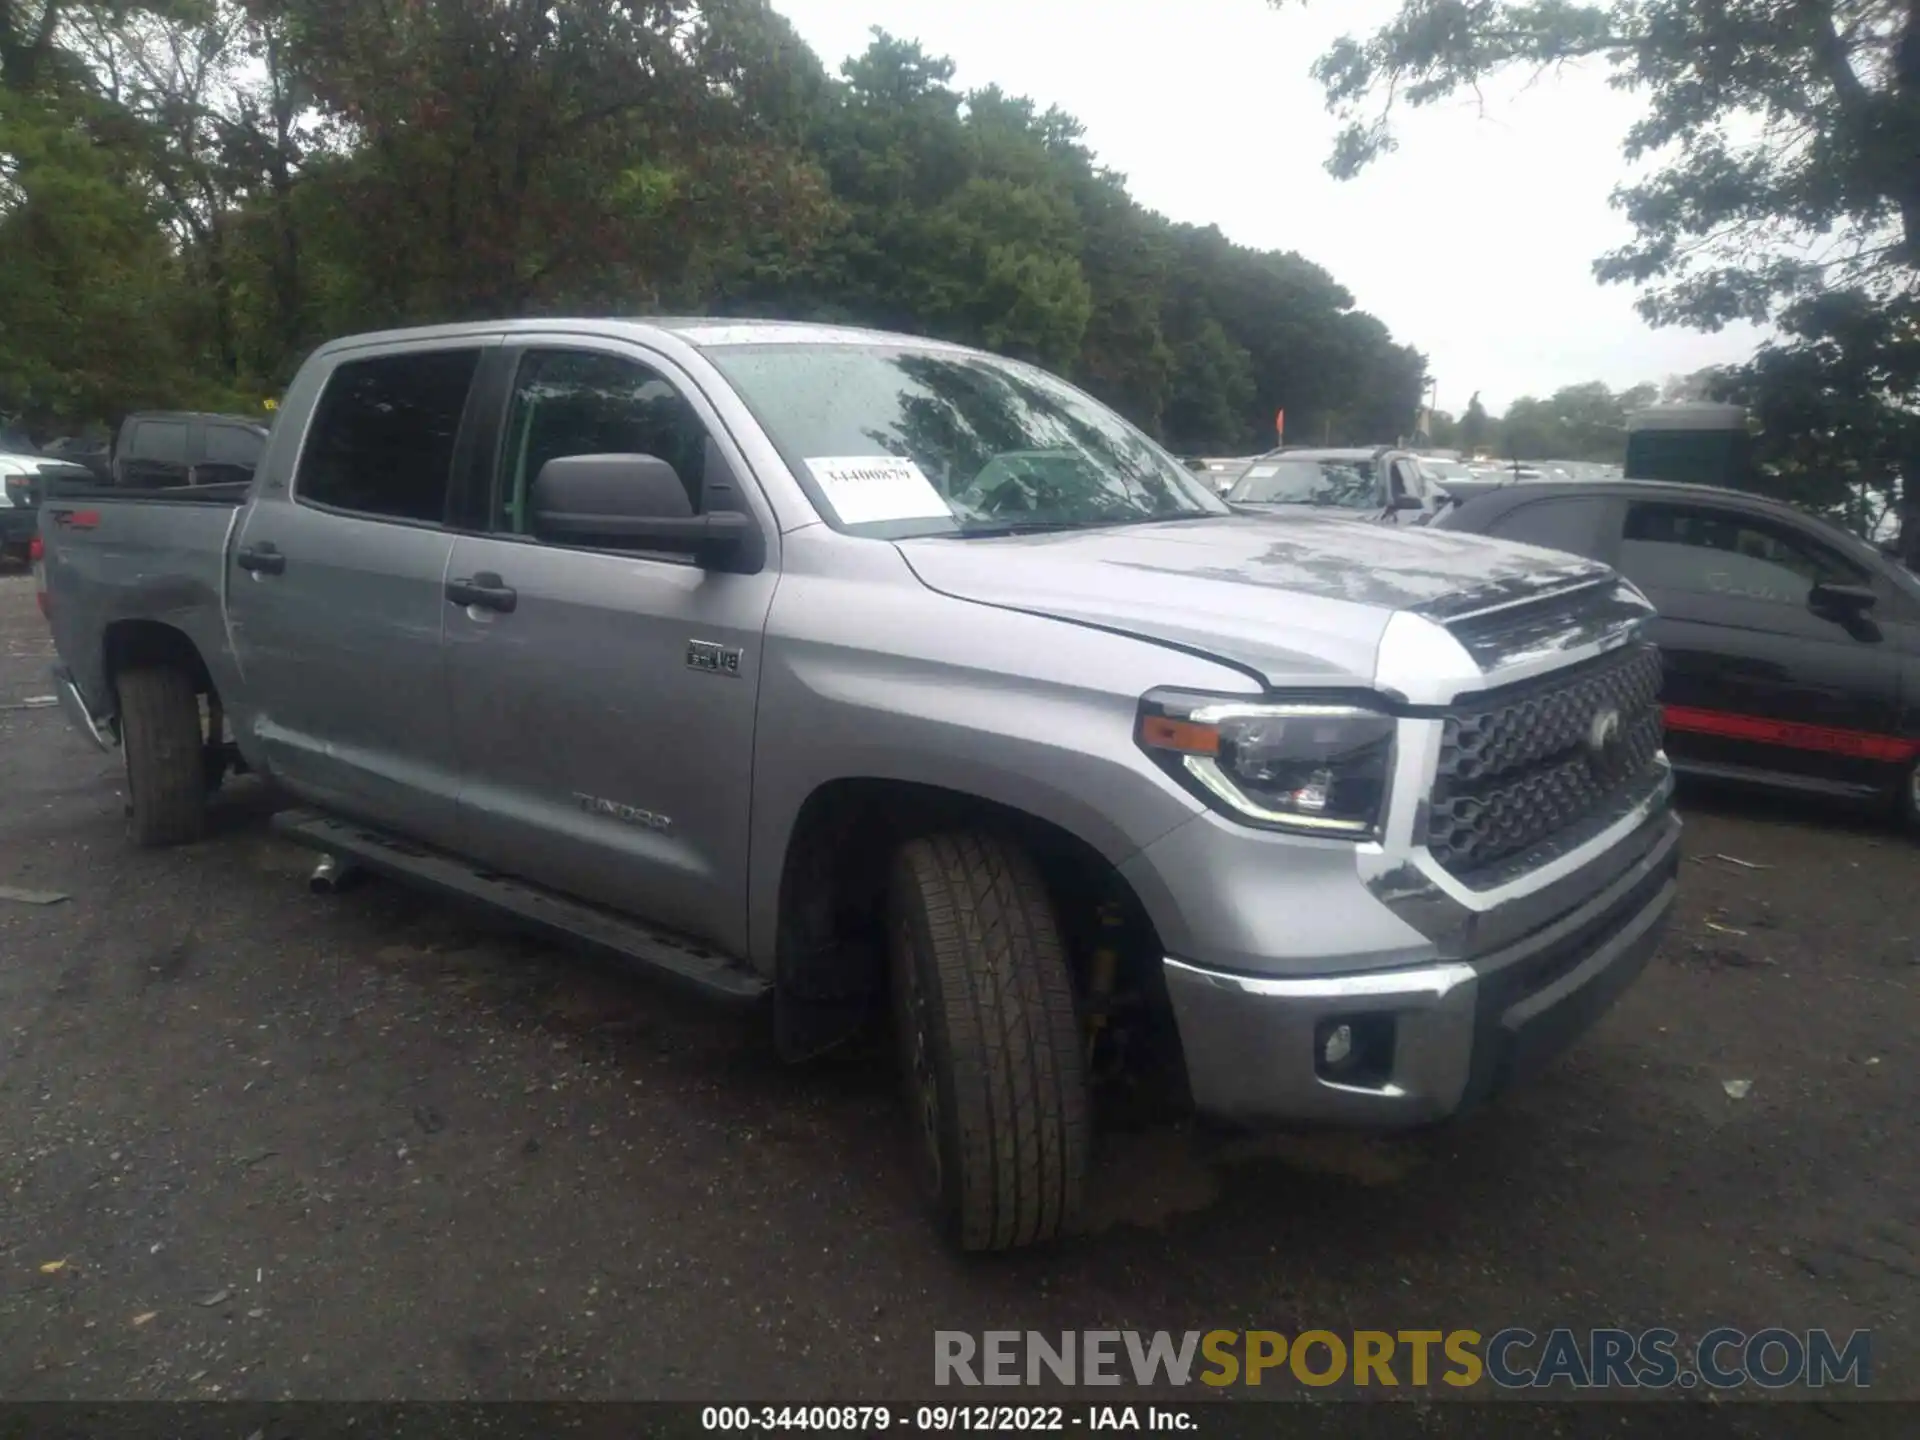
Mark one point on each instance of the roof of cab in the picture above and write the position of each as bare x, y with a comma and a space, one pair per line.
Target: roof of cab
1494, 493
223, 416
702, 332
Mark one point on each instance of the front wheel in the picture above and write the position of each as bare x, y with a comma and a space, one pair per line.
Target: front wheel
990, 1043
165, 754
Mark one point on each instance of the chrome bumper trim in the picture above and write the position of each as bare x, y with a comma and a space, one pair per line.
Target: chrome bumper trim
1459, 1026
74, 707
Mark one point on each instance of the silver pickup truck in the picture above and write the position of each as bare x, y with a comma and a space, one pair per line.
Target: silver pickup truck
865, 675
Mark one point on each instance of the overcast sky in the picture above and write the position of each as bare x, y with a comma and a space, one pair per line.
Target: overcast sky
1473, 242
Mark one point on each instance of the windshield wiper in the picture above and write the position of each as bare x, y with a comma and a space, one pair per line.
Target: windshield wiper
1020, 527
1044, 527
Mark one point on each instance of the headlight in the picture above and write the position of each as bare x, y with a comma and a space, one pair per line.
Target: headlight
1317, 768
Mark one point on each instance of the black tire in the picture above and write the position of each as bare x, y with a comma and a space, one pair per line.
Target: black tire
1906, 801
160, 732
990, 1042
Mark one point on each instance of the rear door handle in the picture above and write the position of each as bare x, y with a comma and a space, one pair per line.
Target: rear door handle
485, 589
262, 559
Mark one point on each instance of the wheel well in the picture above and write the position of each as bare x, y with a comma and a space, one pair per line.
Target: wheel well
832, 945
136, 643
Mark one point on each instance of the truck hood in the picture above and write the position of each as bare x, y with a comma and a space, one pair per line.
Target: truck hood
1296, 598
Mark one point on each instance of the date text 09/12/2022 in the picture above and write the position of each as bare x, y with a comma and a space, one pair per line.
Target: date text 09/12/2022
948, 1419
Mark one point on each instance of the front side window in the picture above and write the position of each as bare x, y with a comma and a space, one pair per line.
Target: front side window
895, 441
1555, 524
584, 402
382, 437
1344, 484
1722, 552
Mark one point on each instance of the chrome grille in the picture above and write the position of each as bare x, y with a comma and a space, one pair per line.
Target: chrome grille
1517, 767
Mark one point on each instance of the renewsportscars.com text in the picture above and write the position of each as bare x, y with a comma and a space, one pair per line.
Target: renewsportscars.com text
1512, 1358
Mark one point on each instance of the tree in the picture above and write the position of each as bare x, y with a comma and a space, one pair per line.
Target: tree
192, 192
1577, 422
1476, 429
1782, 123
1837, 408
1785, 134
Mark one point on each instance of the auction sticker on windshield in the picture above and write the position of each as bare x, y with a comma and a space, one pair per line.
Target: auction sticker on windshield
863, 488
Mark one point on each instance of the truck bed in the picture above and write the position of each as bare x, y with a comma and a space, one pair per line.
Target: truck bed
228, 493
116, 557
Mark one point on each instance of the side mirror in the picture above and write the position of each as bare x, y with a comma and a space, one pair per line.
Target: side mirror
632, 502
1406, 502
1845, 602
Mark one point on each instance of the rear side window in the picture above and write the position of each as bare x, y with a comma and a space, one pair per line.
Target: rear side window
1555, 524
382, 437
164, 441
230, 445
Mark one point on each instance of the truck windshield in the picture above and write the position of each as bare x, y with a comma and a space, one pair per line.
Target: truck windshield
1349, 484
893, 442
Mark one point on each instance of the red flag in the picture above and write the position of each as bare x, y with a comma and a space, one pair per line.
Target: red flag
1280, 425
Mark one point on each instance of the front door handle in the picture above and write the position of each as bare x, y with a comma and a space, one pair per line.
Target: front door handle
262, 559
485, 589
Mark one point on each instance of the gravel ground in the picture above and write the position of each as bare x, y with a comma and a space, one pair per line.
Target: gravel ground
260, 1144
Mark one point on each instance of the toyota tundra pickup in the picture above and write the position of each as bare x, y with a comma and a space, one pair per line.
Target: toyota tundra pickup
866, 675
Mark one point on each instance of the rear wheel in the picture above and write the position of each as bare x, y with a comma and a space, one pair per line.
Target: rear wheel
990, 1043
161, 738
1906, 800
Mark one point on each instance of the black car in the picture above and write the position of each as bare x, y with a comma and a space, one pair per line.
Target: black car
1792, 648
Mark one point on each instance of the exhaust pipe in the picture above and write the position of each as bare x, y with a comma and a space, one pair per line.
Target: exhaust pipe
332, 875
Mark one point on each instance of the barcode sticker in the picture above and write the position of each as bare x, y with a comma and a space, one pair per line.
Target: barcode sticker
865, 488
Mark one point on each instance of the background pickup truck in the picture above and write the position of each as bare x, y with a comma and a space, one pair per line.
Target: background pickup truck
872, 675
159, 449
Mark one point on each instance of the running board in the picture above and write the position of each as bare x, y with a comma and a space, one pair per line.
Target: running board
571, 921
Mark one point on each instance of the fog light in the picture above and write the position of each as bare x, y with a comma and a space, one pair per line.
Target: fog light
1337, 1046
1354, 1049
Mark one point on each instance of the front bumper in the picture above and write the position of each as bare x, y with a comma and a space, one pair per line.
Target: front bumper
1460, 1029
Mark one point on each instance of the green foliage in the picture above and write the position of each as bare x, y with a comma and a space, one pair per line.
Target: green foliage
1577, 422
1837, 409
1476, 429
91, 301
219, 184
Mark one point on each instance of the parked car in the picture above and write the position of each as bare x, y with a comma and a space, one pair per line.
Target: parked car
1440, 471
18, 475
1219, 472
92, 452
844, 670
160, 449
25, 481
1792, 648
1381, 483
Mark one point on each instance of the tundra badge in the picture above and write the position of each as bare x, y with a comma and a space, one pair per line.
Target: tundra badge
713, 657
626, 814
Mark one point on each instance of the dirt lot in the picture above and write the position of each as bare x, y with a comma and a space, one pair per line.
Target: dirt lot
365, 1147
